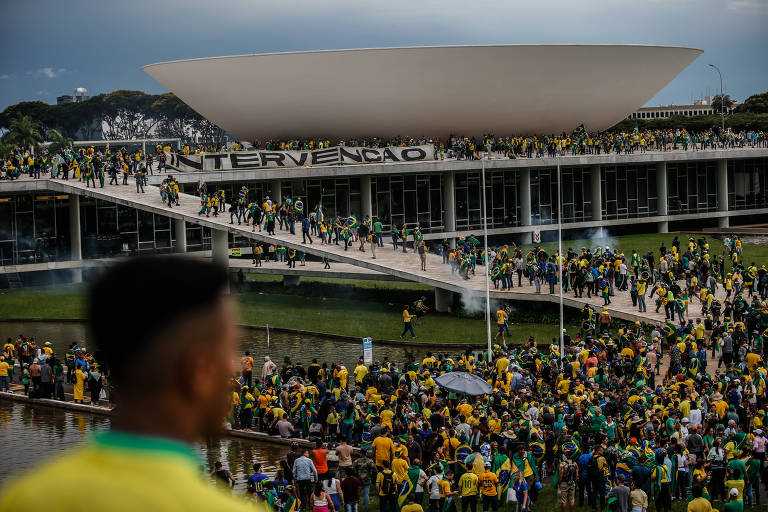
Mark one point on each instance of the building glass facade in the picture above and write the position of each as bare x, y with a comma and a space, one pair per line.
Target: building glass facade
34, 228
747, 184
691, 187
628, 191
501, 195
576, 196
412, 199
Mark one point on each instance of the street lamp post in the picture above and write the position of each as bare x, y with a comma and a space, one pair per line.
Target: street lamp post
722, 98
560, 259
486, 269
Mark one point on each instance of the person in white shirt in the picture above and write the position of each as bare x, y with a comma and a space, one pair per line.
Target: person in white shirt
694, 415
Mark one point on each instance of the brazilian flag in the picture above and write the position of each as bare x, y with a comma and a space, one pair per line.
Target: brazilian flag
538, 448
462, 452
291, 504
579, 132
406, 487
366, 439
319, 214
352, 221
504, 474
624, 471
635, 132
299, 206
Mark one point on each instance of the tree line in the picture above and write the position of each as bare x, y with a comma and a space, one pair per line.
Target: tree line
752, 115
117, 115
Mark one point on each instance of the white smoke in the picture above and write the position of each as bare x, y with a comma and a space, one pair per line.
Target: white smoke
472, 302
598, 237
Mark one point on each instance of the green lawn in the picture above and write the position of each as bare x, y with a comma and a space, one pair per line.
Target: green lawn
299, 308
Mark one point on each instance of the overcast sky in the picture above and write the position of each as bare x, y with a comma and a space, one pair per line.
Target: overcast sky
51, 47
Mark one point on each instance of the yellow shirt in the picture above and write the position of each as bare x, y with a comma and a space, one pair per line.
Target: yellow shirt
445, 487
384, 449
488, 483
412, 508
501, 315
699, 505
78, 390
360, 371
122, 472
400, 468
386, 418
4, 369
406, 316
468, 484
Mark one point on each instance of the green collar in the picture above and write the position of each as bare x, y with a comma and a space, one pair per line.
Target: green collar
125, 441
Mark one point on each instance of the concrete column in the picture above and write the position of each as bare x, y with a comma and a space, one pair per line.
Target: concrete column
220, 246
449, 201
76, 251
596, 186
443, 300
180, 226
291, 280
365, 196
597, 193
662, 199
75, 239
276, 187
722, 192
525, 203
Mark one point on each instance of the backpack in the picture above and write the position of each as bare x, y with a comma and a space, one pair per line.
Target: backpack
387, 483
593, 471
569, 476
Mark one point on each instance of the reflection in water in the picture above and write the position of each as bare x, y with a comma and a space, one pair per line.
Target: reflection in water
298, 347
30, 435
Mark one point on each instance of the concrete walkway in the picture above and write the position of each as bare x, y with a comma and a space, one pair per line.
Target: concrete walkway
387, 261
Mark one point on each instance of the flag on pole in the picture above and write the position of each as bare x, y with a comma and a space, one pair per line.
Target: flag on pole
579, 132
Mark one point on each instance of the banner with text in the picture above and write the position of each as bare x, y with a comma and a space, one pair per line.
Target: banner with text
368, 350
308, 158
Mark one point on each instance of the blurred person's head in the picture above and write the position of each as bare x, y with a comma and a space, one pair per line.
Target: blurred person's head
170, 364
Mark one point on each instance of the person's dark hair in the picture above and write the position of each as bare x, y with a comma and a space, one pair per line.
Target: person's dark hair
318, 488
122, 339
697, 491
257, 467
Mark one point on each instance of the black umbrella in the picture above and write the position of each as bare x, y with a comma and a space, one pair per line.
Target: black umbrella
464, 383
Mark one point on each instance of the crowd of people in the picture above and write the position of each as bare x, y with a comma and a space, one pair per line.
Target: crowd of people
627, 416
578, 142
606, 420
43, 374
95, 165
89, 164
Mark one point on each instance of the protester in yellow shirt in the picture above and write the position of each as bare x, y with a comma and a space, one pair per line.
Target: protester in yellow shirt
383, 449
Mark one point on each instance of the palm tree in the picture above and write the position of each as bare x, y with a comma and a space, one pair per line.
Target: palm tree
5, 148
24, 132
58, 141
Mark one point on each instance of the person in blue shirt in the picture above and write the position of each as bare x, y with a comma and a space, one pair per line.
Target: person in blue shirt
584, 484
521, 492
256, 480
281, 486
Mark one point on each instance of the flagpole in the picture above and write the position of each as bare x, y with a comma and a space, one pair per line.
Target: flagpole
486, 265
560, 259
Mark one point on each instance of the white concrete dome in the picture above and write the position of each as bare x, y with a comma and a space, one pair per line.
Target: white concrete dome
430, 91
